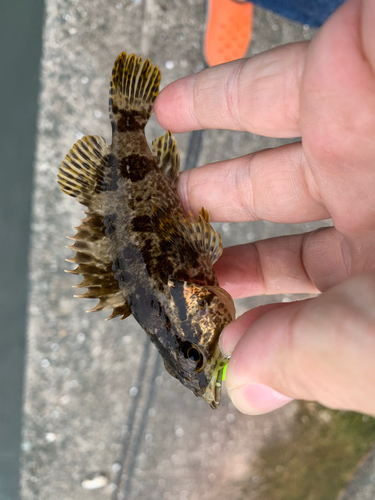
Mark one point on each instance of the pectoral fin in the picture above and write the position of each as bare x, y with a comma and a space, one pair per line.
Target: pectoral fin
203, 237
182, 233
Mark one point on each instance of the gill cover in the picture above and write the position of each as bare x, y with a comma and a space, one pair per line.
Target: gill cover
202, 306
202, 313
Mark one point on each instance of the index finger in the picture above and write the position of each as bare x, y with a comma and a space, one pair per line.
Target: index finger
259, 95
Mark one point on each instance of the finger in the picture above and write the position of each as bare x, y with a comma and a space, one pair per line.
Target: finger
229, 337
263, 399
301, 263
368, 18
260, 95
274, 185
338, 89
321, 349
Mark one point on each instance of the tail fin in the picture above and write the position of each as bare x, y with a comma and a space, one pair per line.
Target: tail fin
134, 87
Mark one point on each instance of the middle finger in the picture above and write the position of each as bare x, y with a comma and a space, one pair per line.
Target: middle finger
274, 185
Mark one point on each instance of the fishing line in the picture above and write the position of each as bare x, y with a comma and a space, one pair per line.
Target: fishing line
142, 426
132, 413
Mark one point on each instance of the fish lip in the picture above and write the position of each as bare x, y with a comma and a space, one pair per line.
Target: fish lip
213, 392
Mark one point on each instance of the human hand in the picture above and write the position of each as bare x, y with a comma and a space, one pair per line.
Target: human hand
324, 91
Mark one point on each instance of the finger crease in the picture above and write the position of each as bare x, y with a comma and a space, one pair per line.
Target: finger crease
309, 182
244, 191
192, 109
302, 259
231, 94
259, 269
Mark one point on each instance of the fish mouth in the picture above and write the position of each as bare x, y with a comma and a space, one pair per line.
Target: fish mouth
213, 392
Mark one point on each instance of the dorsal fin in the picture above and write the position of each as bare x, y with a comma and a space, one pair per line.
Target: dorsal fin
167, 156
95, 265
81, 176
179, 231
81, 171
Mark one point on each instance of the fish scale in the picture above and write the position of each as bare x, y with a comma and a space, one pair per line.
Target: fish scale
137, 251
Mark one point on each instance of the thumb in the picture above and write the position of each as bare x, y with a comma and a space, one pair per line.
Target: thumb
320, 349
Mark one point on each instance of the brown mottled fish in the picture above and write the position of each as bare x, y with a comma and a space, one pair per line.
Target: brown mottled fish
136, 249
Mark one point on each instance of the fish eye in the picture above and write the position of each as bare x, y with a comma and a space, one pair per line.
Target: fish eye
194, 354
191, 352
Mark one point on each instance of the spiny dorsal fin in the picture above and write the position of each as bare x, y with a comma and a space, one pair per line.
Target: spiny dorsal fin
179, 231
134, 87
81, 171
167, 156
95, 265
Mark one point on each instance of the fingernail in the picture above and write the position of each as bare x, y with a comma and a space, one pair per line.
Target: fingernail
255, 399
221, 344
226, 344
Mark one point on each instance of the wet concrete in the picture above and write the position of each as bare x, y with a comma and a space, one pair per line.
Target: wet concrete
103, 419
20, 26
362, 485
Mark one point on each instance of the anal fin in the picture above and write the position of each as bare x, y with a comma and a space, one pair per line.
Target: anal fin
167, 156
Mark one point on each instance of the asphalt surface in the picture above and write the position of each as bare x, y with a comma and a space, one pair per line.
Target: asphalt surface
102, 418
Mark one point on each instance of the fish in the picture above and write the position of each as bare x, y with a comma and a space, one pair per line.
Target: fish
137, 250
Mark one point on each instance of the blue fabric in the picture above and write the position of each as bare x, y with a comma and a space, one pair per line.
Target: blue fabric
311, 12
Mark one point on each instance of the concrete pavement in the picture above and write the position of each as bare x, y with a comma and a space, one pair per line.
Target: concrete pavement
102, 418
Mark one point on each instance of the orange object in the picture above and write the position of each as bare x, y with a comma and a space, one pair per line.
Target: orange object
228, 31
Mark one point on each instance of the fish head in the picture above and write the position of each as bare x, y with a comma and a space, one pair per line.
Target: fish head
198, 316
